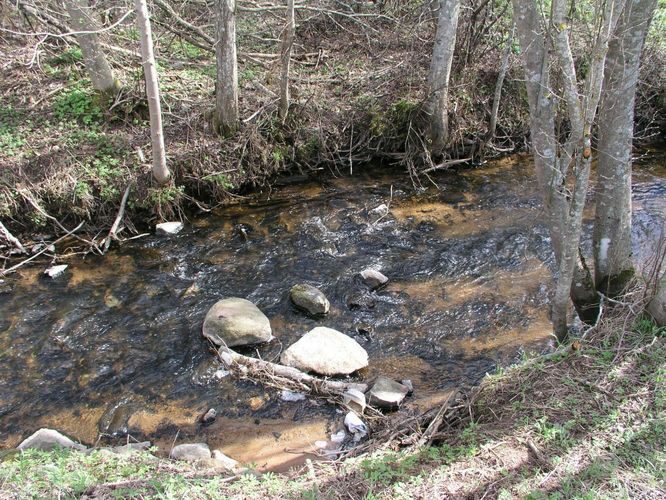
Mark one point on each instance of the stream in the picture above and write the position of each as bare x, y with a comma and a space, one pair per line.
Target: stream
114, 348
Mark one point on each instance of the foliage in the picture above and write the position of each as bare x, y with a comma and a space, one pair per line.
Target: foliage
78, 103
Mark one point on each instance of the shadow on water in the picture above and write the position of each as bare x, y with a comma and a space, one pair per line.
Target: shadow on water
115, 345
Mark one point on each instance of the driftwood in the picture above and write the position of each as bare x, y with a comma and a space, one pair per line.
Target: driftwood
4, 232
283, 377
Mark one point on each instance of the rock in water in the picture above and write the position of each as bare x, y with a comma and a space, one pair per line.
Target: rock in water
310, 299
168, 228
327, 352
191, 452
236, 322
55, 271
387, 393
48, 439
373, 278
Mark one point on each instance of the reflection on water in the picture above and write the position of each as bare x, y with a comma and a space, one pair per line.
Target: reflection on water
115, 346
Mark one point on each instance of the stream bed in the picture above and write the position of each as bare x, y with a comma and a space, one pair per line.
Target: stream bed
113, 348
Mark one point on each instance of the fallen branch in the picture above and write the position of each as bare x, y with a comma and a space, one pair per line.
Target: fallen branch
283, 377
106, 242
11, 238
46, 247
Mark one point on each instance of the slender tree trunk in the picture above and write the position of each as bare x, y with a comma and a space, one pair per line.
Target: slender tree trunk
160, 171
440, 73
226, 99
83, 21
285, 59
612, 224
657, 306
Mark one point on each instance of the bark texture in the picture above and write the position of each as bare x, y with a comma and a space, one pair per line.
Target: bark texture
84, 24
440, 73
160, 171
285, 59
612, 224
226, 96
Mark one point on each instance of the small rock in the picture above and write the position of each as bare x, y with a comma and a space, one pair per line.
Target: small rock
338, 437
373, 278
356, 426
327, 352
256, 403
236, 322
168, 228
115, 420
380, 210
361, 300
131, 448
190, 452
48, 439
55, 271
226, 462
354, 399
410, 387
209, 416
387, 393
291, 397
310, 299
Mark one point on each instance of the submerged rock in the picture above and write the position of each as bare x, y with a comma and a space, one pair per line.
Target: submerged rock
387, 393
310, 299
236, 322
190, 452
373, 278
168, 228
209, 417
327, 352
291, 397
48, 439
115, 420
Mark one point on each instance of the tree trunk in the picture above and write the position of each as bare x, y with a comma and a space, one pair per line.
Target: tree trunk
84, 23
657, 306
226, 99
612, 224
160, 171
440, 73
285, 59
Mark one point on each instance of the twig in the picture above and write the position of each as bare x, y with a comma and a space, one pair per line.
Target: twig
106, 242
11, 238
20, 264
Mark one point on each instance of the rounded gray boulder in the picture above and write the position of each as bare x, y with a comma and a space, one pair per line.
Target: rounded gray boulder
310, 299
234, 322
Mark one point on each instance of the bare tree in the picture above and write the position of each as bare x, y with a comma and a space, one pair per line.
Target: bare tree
226, 96
98, 68
440, 73
285, 59
160, 170
612, 225
563, 169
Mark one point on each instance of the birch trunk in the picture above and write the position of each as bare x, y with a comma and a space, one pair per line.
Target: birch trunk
226, 98
285, 60
84, 23
440, 73
612, 224
160, 171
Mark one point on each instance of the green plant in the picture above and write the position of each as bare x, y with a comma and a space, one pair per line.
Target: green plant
78, 103
70, 55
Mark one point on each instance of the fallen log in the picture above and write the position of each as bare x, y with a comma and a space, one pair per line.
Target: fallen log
283, 377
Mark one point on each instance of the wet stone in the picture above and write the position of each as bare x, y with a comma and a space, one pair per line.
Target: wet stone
373, 278
115, 420
235, 322
55, 271
309, 299
168, 228
387, 393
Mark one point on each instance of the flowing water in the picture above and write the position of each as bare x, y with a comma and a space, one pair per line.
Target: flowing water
114, 347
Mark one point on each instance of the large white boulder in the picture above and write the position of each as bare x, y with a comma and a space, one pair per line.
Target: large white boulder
236, 322
327, 352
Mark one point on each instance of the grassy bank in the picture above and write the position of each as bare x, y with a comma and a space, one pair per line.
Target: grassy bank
358, 85
586, 422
